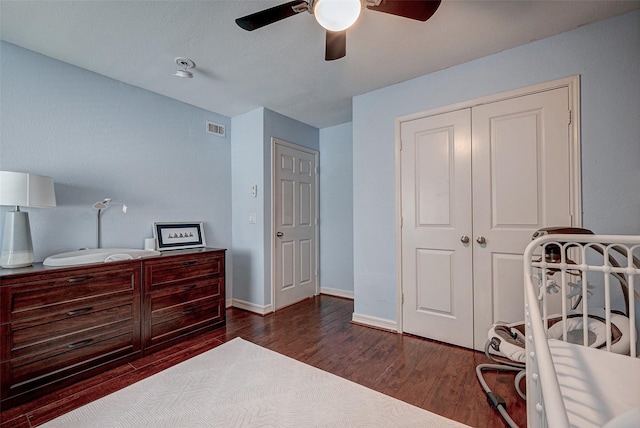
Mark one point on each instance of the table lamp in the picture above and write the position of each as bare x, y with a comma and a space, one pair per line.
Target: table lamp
19, 189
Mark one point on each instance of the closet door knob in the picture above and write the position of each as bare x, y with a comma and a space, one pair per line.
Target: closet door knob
480, 240
464, 239
279, 234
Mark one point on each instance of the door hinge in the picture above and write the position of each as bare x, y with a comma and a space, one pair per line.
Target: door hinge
401, 145
402, 298
317, 170
569, 118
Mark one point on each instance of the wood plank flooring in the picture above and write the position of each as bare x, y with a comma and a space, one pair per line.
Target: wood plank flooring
431, 375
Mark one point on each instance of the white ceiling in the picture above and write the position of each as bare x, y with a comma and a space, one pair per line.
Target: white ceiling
280, 66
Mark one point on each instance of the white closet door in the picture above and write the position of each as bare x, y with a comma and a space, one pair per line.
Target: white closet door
495, 173
436, 212
521, 182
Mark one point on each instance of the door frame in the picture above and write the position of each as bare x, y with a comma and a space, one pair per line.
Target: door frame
272, 227
572, 83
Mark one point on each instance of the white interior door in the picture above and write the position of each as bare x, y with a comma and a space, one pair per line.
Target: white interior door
294, 224
521, 182
436, 215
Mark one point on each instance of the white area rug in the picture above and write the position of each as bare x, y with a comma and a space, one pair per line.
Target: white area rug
239, 384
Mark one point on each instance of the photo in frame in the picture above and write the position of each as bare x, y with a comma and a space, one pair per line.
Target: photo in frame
174, 236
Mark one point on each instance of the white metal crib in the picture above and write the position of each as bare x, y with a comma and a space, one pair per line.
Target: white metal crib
571, 384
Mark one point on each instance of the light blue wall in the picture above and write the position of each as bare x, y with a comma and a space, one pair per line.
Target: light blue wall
251, 156
606, 55
97, 137
336, 210
248, 170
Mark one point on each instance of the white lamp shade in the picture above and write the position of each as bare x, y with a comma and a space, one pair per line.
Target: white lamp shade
26, 190
337, 15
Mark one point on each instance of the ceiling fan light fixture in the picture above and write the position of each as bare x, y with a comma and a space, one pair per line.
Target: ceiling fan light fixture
336, 15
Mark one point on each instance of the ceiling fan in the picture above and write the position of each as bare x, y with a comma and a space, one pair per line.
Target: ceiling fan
338, 15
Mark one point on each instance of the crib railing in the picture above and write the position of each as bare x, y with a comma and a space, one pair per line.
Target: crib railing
553, 265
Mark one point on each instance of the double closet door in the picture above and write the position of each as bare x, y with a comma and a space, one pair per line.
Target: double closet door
476, 183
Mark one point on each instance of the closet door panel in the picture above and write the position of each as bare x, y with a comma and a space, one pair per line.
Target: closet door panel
520, 184
515, 196
436, 211
505, 267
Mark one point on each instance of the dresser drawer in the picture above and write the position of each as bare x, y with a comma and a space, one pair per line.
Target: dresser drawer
44, 339
64, 293
185, 319
185, 271
31, 372
170, 299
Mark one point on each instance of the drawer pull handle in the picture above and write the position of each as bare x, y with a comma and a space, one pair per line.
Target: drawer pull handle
192, 262
188, 311
79, 311
80, 279
80, 344
188, 287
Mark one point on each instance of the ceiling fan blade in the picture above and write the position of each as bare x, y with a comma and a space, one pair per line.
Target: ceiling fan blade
335, 45
420, 10
271, 15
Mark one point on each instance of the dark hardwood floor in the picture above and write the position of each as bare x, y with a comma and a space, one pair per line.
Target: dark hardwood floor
431, 375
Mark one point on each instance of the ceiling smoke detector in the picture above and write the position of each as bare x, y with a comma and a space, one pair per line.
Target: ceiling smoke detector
186, 64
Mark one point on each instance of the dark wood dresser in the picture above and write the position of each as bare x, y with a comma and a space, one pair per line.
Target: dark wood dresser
60, 325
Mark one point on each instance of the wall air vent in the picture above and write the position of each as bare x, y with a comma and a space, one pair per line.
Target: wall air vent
215, 129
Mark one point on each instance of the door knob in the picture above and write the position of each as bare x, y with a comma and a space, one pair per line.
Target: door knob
279, 234
480, 240
464, 239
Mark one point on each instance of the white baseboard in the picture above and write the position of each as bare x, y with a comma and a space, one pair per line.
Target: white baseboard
375, 322
336, 292
228, 303
252, 307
